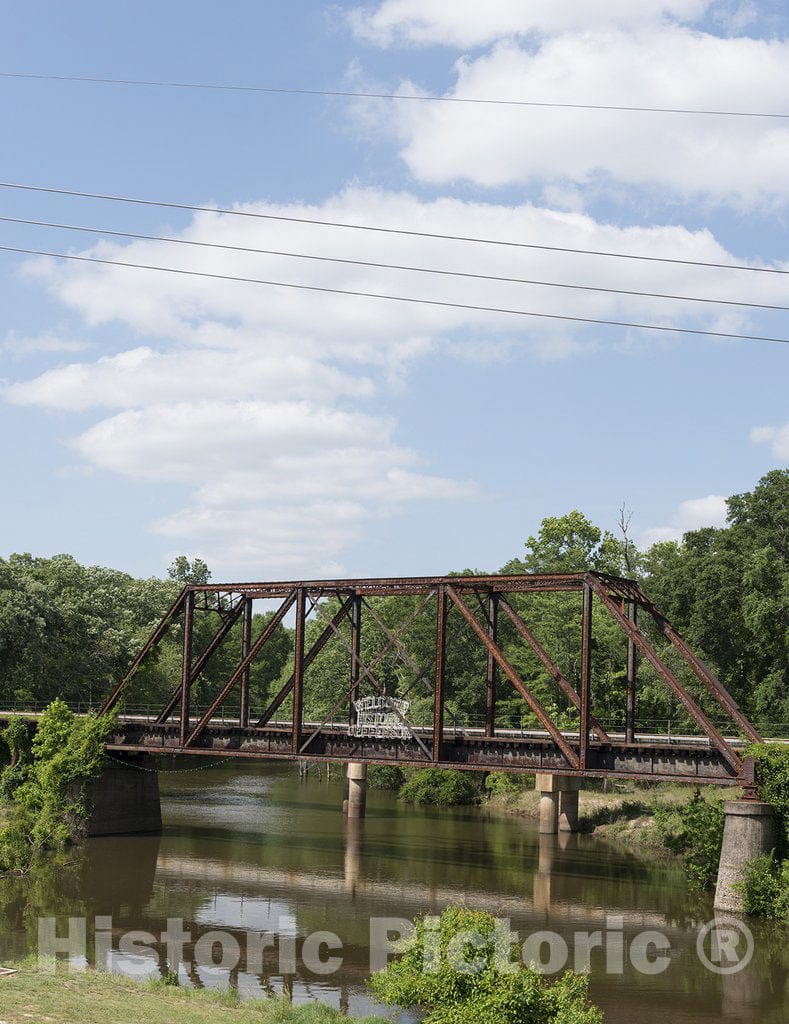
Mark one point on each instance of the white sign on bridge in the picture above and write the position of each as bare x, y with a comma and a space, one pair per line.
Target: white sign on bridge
381, 718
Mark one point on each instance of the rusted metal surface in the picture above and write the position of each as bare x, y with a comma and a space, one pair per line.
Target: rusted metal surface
668, 676
152, 641
535, 706
476, 600
186, 670
552, 668
442, 613
586, 677
631, 675
492, 613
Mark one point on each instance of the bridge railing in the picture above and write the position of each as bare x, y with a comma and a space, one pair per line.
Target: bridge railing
671, 729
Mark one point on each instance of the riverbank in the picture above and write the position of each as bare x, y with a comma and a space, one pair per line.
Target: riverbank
96, 998
625, 814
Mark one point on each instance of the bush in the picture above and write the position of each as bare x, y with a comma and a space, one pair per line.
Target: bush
772, 782
506, 784
384, 776
493, 992
47, 786
442, 787
765, 888
695, 832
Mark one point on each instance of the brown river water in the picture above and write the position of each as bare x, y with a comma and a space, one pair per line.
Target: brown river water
256, 851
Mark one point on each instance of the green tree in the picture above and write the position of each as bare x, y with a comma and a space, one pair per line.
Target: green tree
457, 970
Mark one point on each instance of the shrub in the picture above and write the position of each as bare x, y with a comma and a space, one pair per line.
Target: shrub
442, 787
384, 776
48, 809
506, 784
765, 888
772, 782
695, 832
489, 993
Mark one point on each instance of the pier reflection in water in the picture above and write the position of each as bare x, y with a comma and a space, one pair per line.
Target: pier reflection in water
250, 851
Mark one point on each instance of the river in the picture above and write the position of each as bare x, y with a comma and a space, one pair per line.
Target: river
254, 849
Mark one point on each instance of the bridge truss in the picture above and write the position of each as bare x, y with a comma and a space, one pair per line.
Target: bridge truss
475, 603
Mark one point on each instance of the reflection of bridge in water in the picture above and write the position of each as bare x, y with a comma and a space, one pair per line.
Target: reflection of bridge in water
475, 603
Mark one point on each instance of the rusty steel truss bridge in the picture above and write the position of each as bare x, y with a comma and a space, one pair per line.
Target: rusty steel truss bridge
712, 754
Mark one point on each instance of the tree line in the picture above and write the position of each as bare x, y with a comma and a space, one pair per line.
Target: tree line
70, 631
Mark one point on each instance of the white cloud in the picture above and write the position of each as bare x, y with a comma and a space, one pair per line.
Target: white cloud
738, 161
22, 345
142, 376
776, 437
693, 514
268, 406
469, 23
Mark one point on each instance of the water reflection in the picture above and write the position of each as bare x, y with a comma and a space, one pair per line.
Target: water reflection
257, 851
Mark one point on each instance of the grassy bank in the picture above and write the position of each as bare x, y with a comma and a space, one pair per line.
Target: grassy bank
95, 998
625, 813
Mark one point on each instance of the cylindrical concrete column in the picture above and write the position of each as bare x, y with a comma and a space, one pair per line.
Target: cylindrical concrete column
568, 810
357, 789
549, 813
748, 832
558, 802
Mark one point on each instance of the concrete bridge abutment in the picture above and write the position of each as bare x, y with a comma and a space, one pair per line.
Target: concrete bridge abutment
124, 799
748, 832
558, 802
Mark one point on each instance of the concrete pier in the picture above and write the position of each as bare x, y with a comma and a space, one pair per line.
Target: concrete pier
124, 800
558, 802
748, 832
355, 804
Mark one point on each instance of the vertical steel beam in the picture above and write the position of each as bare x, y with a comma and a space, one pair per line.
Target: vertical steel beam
246, 644
586, 675
356, 656
632, 670
438, 693
186, 665
298, 668
490, 682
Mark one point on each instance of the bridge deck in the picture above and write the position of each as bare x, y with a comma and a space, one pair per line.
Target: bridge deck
649, 758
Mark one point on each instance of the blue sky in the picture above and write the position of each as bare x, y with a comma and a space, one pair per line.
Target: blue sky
290, 434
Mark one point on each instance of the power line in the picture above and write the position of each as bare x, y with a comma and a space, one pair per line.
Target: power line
389, 266
418, 97
393, 298
384, 230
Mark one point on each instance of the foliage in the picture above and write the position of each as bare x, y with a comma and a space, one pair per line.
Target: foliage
506, 784
47, 799
772, 781
442, 787
195, 572
426, 977
16, 737
385, 776
694, 831
765, 888
727, 592
71, 631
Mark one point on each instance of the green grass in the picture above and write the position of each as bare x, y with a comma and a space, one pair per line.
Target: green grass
95, 998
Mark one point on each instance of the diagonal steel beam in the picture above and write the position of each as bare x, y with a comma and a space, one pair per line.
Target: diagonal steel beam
712, 683
517, 682
357, 661
151, 642
309, 657
271, 625
550, 666
679, 691
202, 661
365, 671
